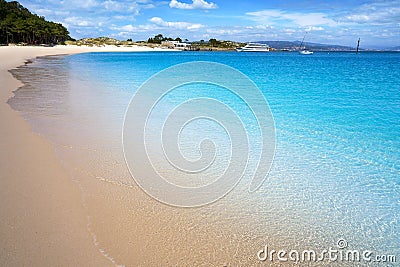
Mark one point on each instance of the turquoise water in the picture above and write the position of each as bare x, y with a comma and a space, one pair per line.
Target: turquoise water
341, 105
336, 172
326, 100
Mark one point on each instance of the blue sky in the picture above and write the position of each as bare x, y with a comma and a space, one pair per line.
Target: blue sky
332, 22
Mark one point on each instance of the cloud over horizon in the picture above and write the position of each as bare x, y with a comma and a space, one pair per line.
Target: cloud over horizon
196, 4
276, 16
178, 25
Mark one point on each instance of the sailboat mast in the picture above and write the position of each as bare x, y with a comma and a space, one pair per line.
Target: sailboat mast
358, 45
302, 41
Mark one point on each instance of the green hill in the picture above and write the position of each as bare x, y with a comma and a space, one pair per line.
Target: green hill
19, 25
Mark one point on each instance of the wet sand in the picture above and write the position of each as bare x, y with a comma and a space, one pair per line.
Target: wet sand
43, 221
56, 214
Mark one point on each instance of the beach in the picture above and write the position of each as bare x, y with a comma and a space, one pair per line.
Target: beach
199, 133
68, 197
43, 220
56, 213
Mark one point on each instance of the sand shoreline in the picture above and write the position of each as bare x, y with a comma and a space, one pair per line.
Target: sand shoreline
61, 209
43, 220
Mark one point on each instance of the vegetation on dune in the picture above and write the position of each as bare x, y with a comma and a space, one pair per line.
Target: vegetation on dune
99, 41
19, 25
218, 44
103, 41
212, 44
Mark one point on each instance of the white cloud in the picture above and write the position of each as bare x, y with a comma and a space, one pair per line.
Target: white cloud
314, 28
276, 16
196, 4
380, 13
128, 28
81, 22
225, 31
141, 31
80, 4
178, 25
125, 7
289, 30
47, 11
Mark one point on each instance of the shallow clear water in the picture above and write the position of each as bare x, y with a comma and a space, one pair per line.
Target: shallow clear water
336, 172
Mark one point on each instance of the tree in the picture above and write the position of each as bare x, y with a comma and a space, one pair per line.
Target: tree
214, 42
18, 24
178, 39
158, 38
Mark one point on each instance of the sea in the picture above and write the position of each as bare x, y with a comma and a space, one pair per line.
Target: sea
334, 177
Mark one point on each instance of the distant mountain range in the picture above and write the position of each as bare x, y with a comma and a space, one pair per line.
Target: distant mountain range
295, 45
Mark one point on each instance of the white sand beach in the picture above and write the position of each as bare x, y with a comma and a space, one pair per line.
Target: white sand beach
43, 222
50, 218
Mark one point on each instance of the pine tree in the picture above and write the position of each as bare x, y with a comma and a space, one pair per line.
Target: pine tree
19, 25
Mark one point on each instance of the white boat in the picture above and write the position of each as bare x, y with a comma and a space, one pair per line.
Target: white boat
254, 47
305, 51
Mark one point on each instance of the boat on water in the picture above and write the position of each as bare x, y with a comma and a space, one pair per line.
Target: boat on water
304, 51
254, 47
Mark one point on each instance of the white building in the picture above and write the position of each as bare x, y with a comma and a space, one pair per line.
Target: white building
177, 45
